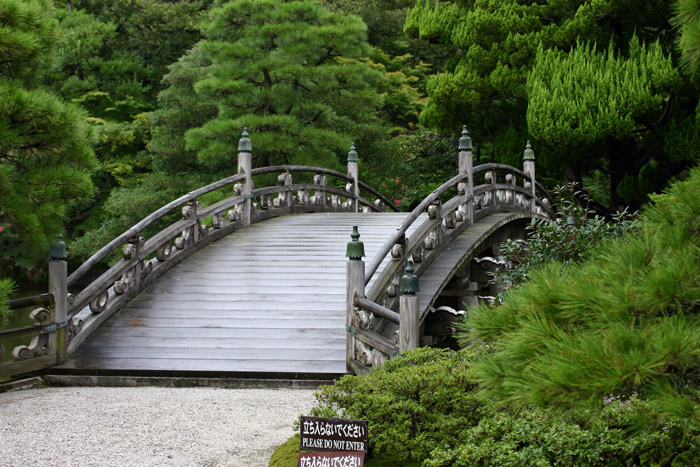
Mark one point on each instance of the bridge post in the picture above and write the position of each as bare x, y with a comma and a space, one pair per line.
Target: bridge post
529, 169
58, 286
355, 286
245, 165
353, 171
409, 325
466, 166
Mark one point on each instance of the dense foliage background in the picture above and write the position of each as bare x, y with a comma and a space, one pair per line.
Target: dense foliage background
108, 110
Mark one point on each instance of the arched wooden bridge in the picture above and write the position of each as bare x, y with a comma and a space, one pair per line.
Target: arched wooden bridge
264, 282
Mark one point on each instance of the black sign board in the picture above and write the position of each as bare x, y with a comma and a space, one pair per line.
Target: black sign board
331, 459
333, 434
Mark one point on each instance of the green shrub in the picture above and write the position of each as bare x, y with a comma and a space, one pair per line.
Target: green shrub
286, 453
423, 407
570, 238
623, 324
415, 402
536, 437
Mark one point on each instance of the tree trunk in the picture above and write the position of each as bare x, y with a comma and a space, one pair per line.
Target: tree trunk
626, 157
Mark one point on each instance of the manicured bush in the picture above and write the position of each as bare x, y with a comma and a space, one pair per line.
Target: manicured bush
424, 407
415, 402
624, 324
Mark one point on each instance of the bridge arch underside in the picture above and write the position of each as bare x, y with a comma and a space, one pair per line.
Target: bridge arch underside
459, 276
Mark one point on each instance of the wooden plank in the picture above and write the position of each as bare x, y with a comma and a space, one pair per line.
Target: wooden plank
154, 303
215, 333
305, 289
207, 365
17, 367
194, 341
118, 321
242, 314
211, 353
270, 297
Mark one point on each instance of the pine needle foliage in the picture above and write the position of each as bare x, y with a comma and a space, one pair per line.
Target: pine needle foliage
294, 73
624, 325
46, 156
6, 288
687, 19
565, 92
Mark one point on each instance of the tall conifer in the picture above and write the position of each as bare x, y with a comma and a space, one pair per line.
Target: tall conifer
294, 73
45, 152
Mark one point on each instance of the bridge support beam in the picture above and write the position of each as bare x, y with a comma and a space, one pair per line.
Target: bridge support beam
355, 287
245, 166
58, 286
466, 166
354, 172
409, 302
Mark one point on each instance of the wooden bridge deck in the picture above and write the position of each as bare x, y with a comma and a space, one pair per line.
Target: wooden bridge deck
268, 299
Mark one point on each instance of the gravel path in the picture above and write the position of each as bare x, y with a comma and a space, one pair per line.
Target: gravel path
146, 426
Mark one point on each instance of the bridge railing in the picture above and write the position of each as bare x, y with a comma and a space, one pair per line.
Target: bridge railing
474, 193
141, 260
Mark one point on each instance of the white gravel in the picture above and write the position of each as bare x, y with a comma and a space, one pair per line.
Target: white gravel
146, 426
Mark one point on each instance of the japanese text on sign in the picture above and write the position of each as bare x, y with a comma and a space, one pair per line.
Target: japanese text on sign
333, 434
331, 459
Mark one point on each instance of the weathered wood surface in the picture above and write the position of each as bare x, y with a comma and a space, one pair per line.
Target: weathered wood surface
268, 299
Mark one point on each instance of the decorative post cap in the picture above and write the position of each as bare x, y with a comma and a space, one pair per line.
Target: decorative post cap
409, 281
57, 251
356, 249
244, 144
529, 154
352, 154
465, 142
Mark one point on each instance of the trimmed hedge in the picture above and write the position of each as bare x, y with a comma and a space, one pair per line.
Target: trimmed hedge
423, 407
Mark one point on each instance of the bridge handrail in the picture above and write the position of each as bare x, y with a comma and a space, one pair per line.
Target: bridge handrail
371, 317
192, 195
408, 222
42, 300
141, 225
335, 173
497, 166
418, 210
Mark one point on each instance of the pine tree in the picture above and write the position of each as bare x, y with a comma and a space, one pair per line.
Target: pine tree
590, 98
485, 86
45, 151
176, 169
294, 73
687, 19
621, 327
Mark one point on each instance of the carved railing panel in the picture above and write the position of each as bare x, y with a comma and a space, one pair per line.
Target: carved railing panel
370, 348
32, 347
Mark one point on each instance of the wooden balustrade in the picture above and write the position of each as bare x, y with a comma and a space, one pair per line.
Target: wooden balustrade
141, 258
44, 343
480, 191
